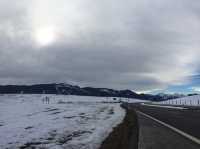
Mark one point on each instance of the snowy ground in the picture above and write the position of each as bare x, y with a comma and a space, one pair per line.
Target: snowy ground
70, 122
185, 101
133, 100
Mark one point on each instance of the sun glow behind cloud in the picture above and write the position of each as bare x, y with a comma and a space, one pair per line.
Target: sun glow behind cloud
52, 20
45, 36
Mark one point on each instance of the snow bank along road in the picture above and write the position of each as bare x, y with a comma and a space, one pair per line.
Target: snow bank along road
168, 127
70, 122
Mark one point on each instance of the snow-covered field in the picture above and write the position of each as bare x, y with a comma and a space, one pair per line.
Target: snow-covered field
186, 101
70, 122
134, 100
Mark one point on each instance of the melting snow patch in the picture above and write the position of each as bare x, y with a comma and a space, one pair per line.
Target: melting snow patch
27, 121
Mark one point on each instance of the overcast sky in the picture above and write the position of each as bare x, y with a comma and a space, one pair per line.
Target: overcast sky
142, 45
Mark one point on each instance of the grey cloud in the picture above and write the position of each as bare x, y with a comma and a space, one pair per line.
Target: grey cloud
141, 45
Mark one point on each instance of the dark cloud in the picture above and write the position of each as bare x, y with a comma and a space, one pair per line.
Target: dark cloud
141, 45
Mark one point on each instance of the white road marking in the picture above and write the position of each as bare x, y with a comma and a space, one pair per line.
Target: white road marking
194, 139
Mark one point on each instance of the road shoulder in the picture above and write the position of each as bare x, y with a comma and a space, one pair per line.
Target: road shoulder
125, 135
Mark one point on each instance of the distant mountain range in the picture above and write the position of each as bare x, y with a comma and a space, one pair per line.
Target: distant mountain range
67, 89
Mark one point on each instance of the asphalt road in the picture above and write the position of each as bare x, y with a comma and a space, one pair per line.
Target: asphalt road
156, 136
